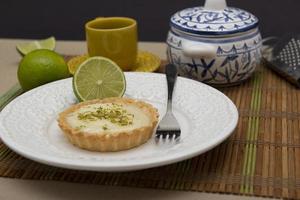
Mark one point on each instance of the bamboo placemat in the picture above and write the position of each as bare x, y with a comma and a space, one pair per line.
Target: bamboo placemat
262, 156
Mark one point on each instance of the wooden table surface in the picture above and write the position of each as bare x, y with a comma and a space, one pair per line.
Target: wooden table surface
46, 190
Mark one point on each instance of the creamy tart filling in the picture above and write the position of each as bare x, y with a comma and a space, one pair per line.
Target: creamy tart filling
108, 117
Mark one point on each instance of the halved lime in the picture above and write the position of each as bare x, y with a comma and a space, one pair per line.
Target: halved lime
25, 48
98, 78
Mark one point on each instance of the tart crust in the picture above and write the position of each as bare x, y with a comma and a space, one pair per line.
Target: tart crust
105, 141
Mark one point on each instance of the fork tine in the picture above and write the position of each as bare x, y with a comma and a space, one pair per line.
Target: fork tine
158, 137
172, 136
177, 137
177, 134
167, 135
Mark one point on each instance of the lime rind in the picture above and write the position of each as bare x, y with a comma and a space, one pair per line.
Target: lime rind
84, 64
25, 48
41, 66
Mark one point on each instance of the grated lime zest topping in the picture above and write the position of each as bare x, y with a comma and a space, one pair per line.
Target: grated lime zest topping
115, 113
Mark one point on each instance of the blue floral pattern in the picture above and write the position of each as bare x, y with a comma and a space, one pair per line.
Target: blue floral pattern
198, 20
231, 65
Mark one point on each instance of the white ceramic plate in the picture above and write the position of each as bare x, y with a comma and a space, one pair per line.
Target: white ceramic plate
206, 116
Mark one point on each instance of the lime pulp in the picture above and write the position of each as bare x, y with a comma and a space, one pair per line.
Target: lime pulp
98, 78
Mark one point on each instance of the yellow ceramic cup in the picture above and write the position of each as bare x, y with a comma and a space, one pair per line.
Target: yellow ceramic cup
114, 38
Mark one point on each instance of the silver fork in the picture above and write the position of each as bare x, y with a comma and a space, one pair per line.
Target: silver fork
169, 128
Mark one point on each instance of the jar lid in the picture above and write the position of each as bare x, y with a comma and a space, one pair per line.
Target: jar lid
200, 20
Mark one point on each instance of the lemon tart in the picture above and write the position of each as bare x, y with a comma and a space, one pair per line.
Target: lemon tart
111, 124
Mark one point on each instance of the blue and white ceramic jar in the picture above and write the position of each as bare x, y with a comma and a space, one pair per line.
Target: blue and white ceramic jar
214, 44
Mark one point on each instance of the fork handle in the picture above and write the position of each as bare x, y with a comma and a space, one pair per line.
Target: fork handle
171, 74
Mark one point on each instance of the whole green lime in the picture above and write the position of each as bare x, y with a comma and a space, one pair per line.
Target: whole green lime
41, 66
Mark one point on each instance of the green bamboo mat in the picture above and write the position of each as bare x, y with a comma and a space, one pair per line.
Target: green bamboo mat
261, 158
